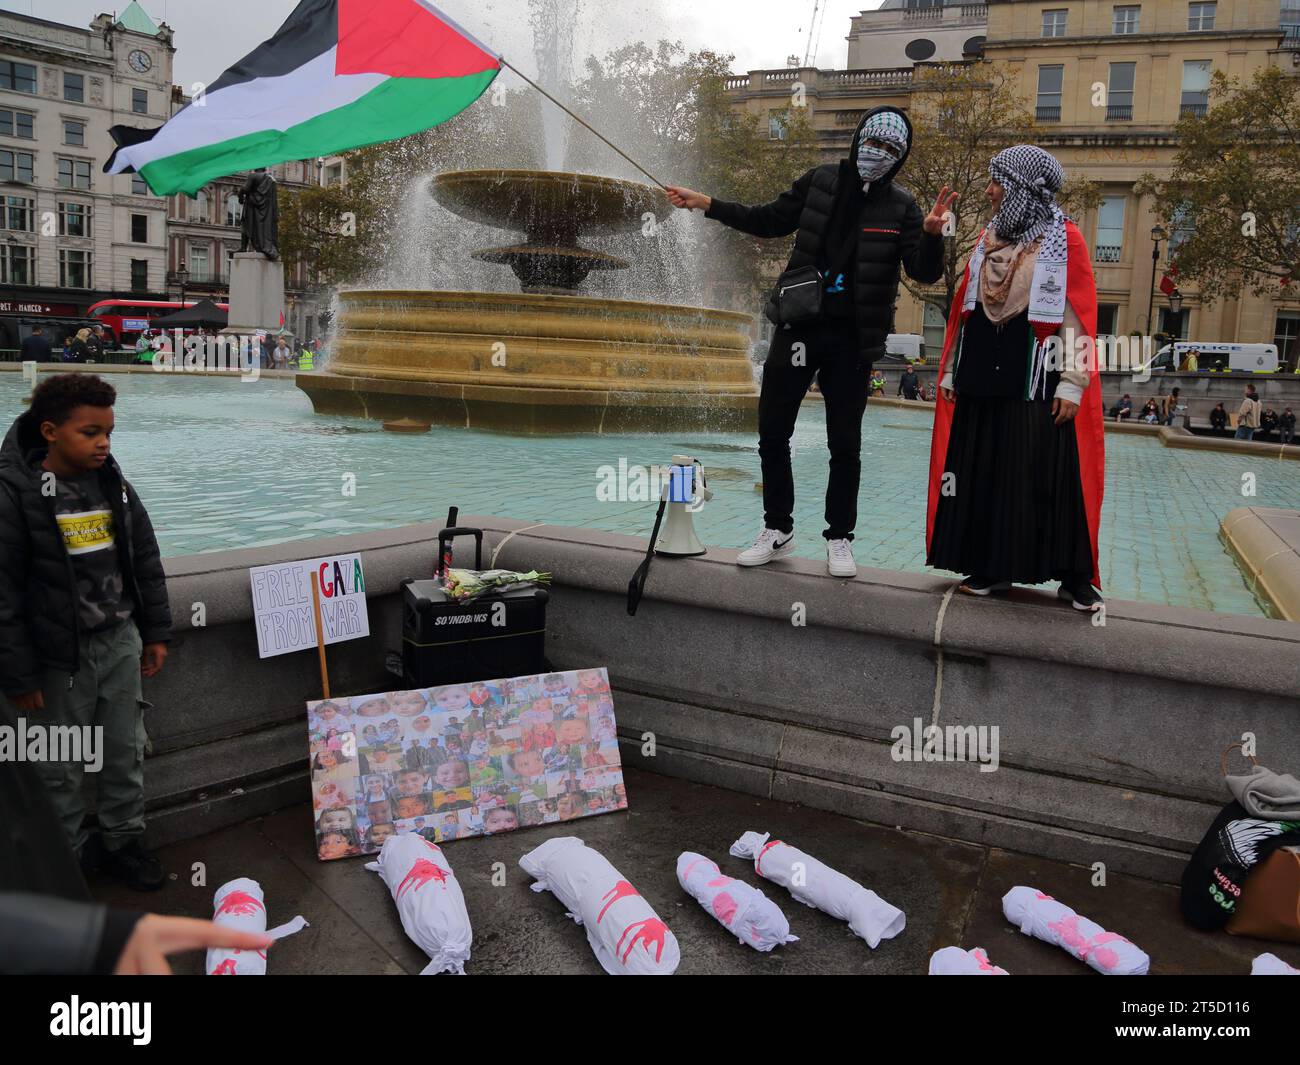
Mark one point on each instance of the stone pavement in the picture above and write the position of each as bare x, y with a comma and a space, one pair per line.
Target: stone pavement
951, 893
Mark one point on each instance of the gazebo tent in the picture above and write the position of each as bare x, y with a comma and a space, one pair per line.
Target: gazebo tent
205, 313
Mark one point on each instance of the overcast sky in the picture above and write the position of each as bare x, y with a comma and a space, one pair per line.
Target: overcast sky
212, 34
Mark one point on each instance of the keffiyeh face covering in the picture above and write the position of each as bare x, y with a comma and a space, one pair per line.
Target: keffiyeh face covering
875, 163
1030, 178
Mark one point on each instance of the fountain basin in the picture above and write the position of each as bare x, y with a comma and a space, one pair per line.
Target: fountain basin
532, 362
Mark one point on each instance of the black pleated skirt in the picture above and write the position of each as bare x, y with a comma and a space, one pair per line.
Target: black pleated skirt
1012, 509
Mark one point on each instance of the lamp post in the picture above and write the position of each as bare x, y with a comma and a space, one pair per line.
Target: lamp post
1157, 235
182, 275
1175, 314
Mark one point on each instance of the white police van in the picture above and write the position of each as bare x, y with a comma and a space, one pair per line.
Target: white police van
1240, 358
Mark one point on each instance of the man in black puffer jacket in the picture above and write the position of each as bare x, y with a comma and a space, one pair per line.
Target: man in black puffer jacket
83, 611
856, 227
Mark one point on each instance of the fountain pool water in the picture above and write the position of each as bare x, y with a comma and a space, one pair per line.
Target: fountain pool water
224, 465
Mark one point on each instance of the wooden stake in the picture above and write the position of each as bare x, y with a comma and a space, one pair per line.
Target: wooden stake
320, 634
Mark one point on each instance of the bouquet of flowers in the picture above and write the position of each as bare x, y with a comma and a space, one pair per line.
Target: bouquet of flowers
463, 585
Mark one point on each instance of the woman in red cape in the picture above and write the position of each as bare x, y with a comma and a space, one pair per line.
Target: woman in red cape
1017, 462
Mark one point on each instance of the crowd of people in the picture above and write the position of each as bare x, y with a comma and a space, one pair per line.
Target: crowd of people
92, 343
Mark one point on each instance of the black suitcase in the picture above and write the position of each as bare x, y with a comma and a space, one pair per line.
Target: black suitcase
502, 634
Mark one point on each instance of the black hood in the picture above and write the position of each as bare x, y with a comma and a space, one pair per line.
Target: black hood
22, 446
852, 159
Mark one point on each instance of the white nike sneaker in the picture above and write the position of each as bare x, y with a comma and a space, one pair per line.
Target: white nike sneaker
771, 543
839, 558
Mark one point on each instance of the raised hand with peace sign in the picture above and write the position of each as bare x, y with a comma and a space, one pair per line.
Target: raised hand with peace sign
933, 223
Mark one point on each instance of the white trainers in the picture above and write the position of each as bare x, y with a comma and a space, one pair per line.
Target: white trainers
771, 543
839, 558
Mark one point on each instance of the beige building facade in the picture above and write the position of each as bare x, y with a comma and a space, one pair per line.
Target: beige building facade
70, 230
900, 32
1106, 83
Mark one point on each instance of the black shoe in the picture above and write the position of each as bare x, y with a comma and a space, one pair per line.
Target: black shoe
984, 586
136, 867
1084, 597
91, 854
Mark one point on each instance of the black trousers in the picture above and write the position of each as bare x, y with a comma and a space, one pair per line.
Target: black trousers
830, 352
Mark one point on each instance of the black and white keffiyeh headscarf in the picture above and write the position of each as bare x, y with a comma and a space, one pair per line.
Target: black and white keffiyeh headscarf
1030, 178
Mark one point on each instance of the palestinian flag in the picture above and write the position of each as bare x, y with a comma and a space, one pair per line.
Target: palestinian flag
338, 74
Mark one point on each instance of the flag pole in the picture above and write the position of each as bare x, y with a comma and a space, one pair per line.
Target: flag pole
506, 63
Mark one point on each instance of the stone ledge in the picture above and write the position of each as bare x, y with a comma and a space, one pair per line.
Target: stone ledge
1265, 541
1109, 735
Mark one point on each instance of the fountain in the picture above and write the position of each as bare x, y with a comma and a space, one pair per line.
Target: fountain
547, 358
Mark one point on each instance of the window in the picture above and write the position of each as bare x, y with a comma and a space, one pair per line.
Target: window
140, 229
1201, 16
1196, 87
776, 125
140, 101
74, 268
74, 133
1127, 18
1107, 319
17, 264
199, 212
74, 219
1174, 325
920, 49
1181, 227
1054, 22
1049, 93
74, 87
19, 214
139, 187
200, 269
16, 124
1290, 21
1119, 98
933, 328
16, 166
1286, 335
234, 209
139, 275
21, 77
74, 174
1109, 246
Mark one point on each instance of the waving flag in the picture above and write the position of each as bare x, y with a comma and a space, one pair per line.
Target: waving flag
338, 74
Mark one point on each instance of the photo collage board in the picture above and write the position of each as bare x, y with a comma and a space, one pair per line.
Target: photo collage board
463, 760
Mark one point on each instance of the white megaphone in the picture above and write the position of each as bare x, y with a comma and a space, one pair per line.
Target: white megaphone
686, 492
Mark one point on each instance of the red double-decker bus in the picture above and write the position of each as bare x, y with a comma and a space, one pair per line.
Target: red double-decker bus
127, 319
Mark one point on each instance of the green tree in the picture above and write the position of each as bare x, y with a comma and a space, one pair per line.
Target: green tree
668, 108
1230, 199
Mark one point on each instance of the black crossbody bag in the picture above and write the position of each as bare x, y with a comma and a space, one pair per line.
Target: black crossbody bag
797, 296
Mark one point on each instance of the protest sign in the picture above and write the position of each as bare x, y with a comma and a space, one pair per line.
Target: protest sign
282, 606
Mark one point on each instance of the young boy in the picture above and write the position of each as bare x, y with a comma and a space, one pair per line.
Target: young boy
83, 609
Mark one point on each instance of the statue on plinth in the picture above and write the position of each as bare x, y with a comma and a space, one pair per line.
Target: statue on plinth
260, 221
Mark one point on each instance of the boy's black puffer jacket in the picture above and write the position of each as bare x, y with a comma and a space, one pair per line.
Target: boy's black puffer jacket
38, 592
889, 227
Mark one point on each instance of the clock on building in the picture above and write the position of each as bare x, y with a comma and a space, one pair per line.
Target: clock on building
140, 61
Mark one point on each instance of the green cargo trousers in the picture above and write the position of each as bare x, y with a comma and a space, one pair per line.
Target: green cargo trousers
104, 693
